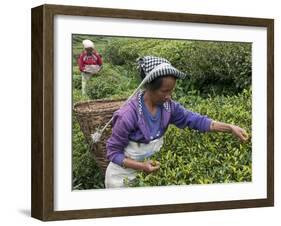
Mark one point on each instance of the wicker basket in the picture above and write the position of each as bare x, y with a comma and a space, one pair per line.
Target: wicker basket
92, 115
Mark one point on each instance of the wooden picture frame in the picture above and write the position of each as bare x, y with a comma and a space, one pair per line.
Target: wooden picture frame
42, 203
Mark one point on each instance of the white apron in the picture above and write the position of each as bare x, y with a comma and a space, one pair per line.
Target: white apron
115, 174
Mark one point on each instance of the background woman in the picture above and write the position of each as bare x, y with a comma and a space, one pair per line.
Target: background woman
89, 62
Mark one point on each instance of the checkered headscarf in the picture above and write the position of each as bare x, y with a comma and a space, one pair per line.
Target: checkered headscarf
155, 67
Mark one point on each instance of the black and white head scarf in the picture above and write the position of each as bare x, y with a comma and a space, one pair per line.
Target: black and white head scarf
155, 67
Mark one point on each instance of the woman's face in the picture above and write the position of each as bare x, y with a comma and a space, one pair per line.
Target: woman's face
164, 93
89, 50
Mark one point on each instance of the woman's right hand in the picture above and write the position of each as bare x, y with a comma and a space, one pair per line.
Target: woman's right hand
150, 166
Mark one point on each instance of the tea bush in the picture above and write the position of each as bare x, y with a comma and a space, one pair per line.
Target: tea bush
222, 67
77, 81
111, 81
190, 157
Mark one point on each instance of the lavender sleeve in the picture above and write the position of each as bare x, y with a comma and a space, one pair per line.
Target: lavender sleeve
119, 139
183, 118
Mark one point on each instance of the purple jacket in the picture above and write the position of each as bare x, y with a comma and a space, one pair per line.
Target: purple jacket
128, 124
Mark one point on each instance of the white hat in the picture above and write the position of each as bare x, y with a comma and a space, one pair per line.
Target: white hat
88, 44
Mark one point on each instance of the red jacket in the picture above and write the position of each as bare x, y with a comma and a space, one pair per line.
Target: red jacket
94, 59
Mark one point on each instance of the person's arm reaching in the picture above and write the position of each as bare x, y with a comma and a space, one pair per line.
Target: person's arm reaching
183, 118
229, 128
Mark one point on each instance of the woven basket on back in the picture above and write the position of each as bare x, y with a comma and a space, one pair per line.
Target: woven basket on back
92, 115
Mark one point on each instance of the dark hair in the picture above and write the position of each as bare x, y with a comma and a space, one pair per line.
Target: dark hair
155, 83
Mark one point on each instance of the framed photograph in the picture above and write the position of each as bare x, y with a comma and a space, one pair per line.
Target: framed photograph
216, 150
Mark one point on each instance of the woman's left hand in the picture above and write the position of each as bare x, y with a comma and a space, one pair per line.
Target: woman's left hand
239, 133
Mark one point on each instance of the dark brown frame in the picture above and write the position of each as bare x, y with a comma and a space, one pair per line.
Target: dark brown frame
42, 203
